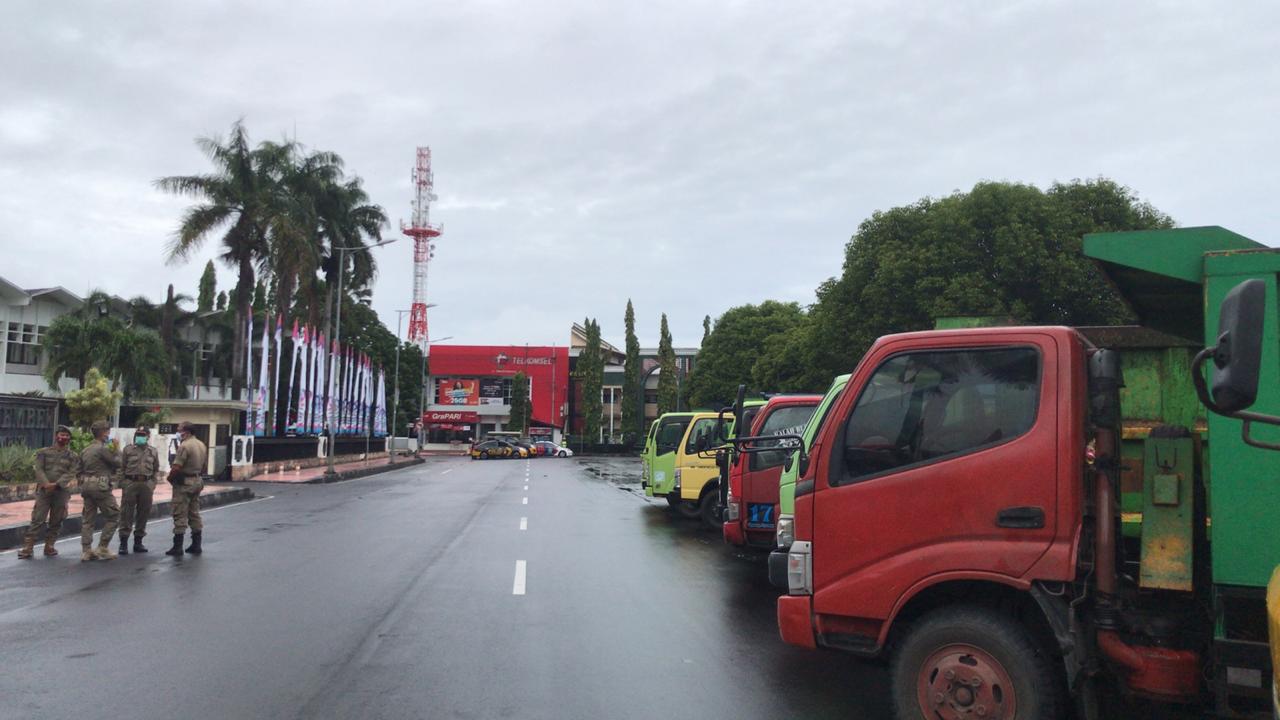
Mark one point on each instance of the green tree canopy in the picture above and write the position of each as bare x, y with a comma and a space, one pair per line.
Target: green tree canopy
519, 421
1000, 249
95, 401
731, 350
668, 385
208, 288
632, 393
591, 371
222, 301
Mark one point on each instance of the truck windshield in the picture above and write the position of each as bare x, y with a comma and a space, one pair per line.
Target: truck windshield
670, 433
783, 421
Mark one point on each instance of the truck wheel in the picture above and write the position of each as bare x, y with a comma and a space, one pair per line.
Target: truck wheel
709, 509
967, 662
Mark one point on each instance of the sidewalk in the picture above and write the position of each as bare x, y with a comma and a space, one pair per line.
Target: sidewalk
345, 471
15, 516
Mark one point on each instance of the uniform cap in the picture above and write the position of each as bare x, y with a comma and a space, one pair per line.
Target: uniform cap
99, 426
141, 430
62, 428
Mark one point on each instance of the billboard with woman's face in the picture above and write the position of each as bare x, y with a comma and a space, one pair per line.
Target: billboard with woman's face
458, 391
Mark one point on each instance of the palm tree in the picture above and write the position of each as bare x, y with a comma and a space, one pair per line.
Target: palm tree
240, 196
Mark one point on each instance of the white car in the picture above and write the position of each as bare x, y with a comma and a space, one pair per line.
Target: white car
550, 449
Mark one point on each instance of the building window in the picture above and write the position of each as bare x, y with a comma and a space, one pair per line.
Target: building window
651, 397
24, 344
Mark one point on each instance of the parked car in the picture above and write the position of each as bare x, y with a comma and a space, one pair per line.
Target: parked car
547, 448
492, 449
528, 447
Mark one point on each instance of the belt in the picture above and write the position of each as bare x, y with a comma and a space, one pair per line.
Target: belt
142, 478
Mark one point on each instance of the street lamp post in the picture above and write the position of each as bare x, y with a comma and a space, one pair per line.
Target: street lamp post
395, 406
337, 339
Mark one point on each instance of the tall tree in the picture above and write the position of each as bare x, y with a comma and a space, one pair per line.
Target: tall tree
221, 304
519, 421
208, 288
999, 249
240, 199
591, 372
132, 357
706, 328
668, 385
632, 393
729, 353
259, 298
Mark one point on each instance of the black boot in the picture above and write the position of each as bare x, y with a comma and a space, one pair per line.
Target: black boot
195, 543
137, 544
124, 544
176, 550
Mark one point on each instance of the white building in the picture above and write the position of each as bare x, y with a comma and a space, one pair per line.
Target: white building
25, 316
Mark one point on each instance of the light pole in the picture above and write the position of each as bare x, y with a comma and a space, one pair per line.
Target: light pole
422, 399
395, 406
337, 339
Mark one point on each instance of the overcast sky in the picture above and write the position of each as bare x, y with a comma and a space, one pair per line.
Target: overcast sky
690, 156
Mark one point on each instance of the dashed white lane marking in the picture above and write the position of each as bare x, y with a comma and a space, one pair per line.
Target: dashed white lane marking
446, 472
517, 587
526, 487
524, 501
524, 523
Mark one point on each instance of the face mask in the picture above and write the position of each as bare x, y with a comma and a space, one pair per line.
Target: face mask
139, 439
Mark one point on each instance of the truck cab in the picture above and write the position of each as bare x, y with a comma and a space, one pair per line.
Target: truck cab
785, 531
751, 508
964, 503
696, 470
646, 459
668, 433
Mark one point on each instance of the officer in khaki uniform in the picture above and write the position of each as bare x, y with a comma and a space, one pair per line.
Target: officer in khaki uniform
184, 475
99, 463
56, 466
139, 465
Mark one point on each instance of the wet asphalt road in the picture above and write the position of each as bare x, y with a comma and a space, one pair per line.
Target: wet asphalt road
394, 596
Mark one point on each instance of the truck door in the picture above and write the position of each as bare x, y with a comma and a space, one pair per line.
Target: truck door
945, 463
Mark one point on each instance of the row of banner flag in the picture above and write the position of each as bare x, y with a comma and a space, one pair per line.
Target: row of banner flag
328, 385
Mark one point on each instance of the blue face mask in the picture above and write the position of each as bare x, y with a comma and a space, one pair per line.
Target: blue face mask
139, 439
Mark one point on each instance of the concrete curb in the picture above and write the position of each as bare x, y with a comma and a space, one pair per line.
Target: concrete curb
362, 472
11, 536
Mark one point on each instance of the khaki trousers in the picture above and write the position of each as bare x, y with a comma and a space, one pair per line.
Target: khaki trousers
96, 495
135, 507
47, 515
186, 505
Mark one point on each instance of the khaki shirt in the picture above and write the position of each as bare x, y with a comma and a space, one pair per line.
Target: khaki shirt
140, 460
99, 461
192, 456
57, 465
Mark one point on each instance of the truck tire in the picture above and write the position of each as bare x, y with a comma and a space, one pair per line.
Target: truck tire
955, 659
687, 509
709, 509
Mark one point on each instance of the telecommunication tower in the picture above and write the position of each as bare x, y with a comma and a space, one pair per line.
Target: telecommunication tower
423, 234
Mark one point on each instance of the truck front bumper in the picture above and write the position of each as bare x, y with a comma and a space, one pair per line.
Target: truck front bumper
734, 534
794, 620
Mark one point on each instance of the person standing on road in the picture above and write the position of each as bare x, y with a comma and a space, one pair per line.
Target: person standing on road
184, 475
56, 466
99, 463
140, 463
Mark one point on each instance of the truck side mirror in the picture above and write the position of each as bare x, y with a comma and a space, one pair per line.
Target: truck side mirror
737, 410
1238, 355
1237, 360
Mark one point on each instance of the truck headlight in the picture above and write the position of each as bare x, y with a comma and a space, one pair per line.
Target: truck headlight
677, 476
800, 568
786, 531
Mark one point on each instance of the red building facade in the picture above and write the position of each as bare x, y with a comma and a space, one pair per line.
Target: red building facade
469, 389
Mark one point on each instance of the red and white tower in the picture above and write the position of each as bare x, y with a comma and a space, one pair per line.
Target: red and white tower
424, 235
